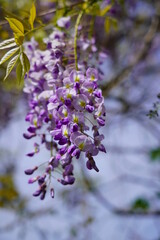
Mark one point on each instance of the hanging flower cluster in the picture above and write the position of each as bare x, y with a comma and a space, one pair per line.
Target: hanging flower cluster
66, 110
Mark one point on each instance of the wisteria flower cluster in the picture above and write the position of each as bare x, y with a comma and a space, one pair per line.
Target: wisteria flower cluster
66, 110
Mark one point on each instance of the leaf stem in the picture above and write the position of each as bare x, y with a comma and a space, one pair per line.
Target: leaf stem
75, 38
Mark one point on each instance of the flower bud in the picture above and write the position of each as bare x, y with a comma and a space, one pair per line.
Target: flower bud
52, 192
30, 171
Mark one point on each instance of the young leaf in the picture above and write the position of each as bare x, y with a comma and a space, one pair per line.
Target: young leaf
25, 63
107, 24
19, 72
105, 10
114, 23
18, 39
7, 43
32, 15
8, 55
11, 65
110, 23
16, 26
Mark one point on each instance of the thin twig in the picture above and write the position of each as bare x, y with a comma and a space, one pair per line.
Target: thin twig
148, 39
110, 206
51, 11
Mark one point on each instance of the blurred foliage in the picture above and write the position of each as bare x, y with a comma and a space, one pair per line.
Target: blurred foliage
155, 111
9, 96
8, 192
9, 195
110, 23
155, 154
140, 204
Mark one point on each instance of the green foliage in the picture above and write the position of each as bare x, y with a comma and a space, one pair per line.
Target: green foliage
155, 154
158, 195
32, 15
93, 9
19, 72
140, 204
105, 10
8, 192
7, 44
19, 34
18, 30
16, 26
11, 65
8, 55
25, 63
110, 23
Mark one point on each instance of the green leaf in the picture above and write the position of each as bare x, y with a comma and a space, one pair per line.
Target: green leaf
140, 204
114, 23
107, 25
7, 43
110, 23
18, 39
11, 15
92, 9
8, 55
32, 15
19, 72
16, 26
25, 63
155, 154
105, 10
11, 65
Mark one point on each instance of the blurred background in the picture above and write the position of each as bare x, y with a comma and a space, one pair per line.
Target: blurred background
122, 201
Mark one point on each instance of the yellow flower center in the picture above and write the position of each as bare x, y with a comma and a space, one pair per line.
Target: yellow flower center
35, 122
65, 133
81, 146
77, 79
75, 119
90, 90
62, 99
69, 95
68, 85
82, 104
92, 78
65, 113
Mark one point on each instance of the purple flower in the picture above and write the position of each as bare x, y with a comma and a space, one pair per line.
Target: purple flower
76, 77
52, 192
37, 193
67, 180
32, 129
83, 142
64, 22
92, 74
89, 108
31, 171
101, 121
76, 153
68, 170
63, 103
91, 165
80, 102
32, 180
29, 135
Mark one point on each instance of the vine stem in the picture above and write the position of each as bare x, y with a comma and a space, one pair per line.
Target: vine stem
75, 38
